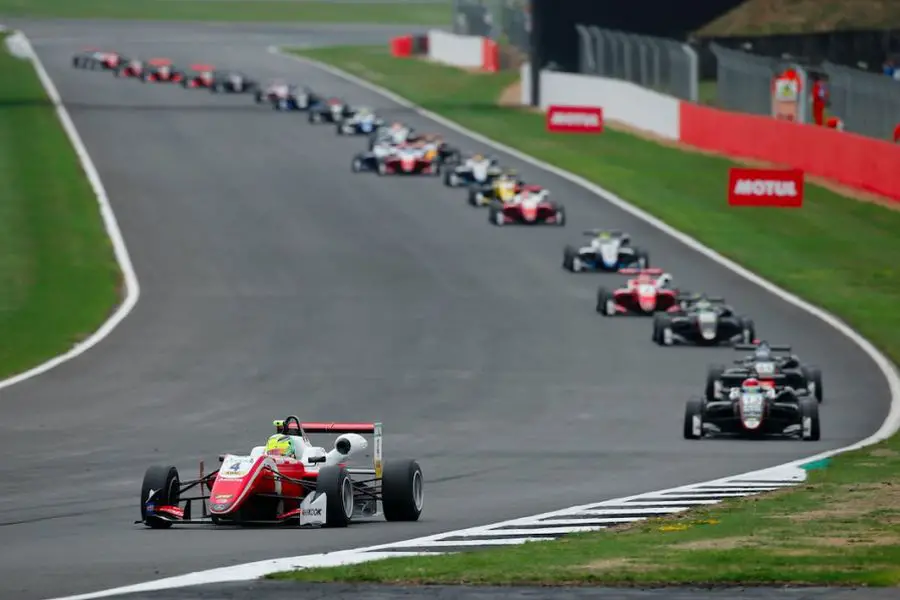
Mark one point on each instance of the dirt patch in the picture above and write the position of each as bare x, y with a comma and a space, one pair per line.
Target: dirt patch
612, 564
850, 502
884, 453
729, 543
511, 97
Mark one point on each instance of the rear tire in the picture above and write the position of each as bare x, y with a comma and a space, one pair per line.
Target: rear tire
814, 382
604, 298
402, 491
335, 483
749, 331
570, 253
713, 374
166, 483
642, 257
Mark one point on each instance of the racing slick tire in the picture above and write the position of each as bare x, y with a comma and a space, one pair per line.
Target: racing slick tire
315, 117
495, 217
118, 73
813, 377
473, 198
334, 481
560, 216
713, 375
402, 490
258, 97
606, 304
451, 179
661, 324
570, 259
340, 129
166, 483
76, 62
382, 168
357, 165
748, 331
693, 419
809, 420
642, 257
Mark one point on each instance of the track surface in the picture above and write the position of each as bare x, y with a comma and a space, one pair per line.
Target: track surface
274, 281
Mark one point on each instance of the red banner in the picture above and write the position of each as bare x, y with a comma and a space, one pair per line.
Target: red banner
575, 119
765, 187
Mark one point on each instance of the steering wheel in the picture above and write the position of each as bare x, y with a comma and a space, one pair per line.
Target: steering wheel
289, 419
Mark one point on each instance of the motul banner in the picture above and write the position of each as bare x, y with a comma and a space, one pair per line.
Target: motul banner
575, 119
765, 187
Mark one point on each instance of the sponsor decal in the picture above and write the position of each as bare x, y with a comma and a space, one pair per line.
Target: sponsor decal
217, 507
311, 512
575, 119
765, 187
223, 497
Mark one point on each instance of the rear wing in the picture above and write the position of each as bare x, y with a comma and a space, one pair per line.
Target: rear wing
641, 271
772, 347
202, 68
375, 429
159, 62
611, 232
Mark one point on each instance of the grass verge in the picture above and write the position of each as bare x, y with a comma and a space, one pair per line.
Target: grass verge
843, 525
345, 11
768, 17
58, 275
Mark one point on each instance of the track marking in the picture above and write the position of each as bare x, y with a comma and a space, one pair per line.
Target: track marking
132, 287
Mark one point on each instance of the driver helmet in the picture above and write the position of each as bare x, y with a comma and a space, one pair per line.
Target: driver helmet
751, 386
281, 445
477, 157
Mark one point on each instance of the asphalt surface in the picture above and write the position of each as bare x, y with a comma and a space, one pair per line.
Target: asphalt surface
276, 590
275, 282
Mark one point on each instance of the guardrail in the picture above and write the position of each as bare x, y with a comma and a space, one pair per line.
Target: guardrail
868, 103
504, 21
657, 63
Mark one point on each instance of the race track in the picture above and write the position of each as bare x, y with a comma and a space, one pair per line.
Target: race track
275, 281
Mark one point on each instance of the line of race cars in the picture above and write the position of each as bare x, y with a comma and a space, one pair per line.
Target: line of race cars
768, 392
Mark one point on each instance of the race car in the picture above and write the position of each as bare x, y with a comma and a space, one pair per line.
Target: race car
608, 250
649, 292
199, 76
446, 154
766, 360
289, 481
362, 121
232, 82
532, 205
331, 110
395, 133
504, 187
161, 69
285, 96
702, 321
408, 160
474, 170
94, 59
129, 68
751, 409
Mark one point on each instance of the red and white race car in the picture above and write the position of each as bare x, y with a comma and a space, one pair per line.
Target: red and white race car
200, 76
650, 292
409, 159
531, 205
289, 481
161, 70
94, 58
130, 68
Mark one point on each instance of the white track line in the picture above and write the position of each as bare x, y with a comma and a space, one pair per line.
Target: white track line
787, 472
132, 288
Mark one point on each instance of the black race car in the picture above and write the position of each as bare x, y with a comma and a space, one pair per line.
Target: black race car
766, 362
233, 82
702, 321
93, 59
331, 110
754, 409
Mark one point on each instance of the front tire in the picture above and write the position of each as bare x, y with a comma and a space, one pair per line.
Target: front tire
402, 491
164, 481
809, 420
335, 483
693, 419
606, 304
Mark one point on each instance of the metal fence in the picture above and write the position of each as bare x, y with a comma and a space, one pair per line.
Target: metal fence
869, 104
743, 81
664, 65
505, 21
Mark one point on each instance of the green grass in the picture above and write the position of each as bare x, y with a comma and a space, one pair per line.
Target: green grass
58, 275
768, 17
419, 13
843, 527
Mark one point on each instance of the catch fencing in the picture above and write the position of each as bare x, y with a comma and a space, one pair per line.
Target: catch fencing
660, 64
868, 103
504, 21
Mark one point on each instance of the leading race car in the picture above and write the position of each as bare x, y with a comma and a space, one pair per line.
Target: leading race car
408, 159
767, 360
161, 70
94, 59
532, 205
289, 481
649, 292
132, 67
702, 321
752, 409
475, 170
362, 121
504, 187
608, 250
331, 110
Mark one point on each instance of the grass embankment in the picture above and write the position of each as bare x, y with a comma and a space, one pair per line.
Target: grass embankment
843, 526
768, 17
364, 11
58, 275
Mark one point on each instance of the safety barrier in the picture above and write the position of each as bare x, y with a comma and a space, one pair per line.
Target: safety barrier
463, 50
853, 160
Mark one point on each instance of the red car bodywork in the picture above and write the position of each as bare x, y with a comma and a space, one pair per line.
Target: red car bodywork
237, 491
410, 161
160, 69
201, 76
131, 69
640, 296
545, 211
